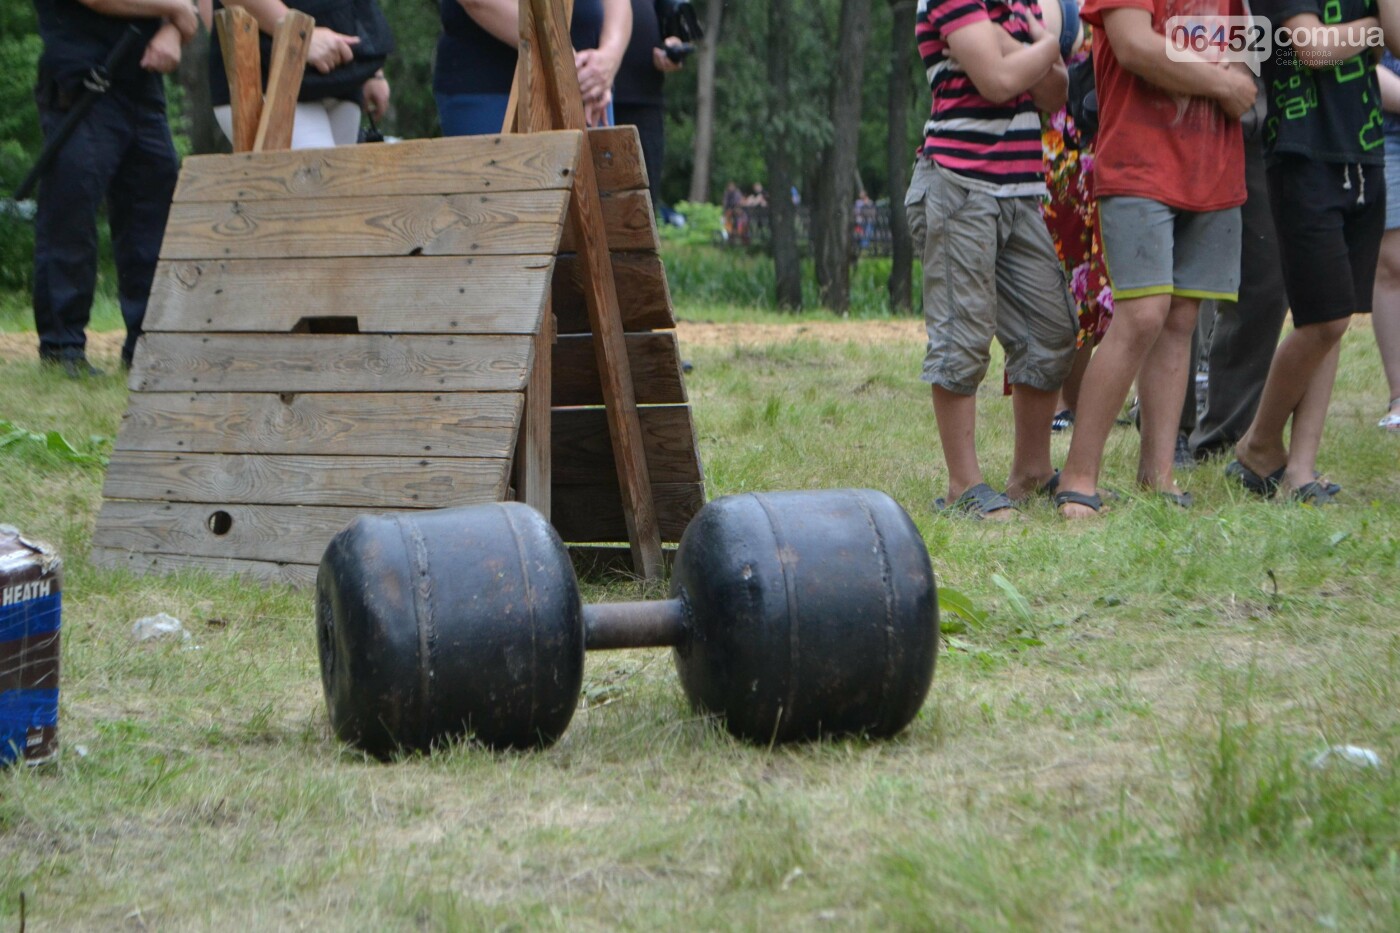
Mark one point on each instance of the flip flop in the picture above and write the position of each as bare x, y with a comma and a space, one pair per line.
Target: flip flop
976, 502
1264, 486
1070, 497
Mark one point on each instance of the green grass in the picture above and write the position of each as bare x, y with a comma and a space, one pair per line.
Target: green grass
1129, 747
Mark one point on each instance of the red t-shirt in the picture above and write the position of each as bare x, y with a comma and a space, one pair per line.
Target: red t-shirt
1186, 154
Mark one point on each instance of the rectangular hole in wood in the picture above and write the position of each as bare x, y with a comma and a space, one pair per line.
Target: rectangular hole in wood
330, 324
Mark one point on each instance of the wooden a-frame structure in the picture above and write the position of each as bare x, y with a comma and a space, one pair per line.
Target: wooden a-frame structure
414, 325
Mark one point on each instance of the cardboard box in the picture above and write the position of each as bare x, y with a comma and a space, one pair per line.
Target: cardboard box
31, 583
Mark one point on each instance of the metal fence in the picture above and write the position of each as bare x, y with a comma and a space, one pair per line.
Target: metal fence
749, 226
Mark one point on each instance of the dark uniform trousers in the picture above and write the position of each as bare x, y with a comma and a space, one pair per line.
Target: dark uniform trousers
121, 152
1246, 332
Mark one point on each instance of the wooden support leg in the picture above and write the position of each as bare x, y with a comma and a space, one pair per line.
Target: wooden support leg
238, 39
550, 43
289, 46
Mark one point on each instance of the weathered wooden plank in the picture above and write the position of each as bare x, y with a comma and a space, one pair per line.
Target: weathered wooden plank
627, 220
423, 294
290, 42
511, 223
654, 358
301, 576
329, 363
583, 452
238, 40
594, 513
448, 424
617, 159
457, 165
275, 533
643, 296
290, 479
534, 453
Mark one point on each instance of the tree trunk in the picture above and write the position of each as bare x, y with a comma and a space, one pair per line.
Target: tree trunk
782, 214
836, 175
205, 135
901, 243
705, 104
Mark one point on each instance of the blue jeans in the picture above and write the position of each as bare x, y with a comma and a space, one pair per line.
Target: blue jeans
471, 114
122, 153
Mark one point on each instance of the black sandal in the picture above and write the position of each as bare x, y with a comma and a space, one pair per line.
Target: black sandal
1087, 499
976, 502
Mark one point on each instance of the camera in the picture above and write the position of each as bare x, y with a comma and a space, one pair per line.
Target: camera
678, 53
677, 18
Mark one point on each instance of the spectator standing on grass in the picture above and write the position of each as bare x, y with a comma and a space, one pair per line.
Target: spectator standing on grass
989, 267
639, 93
1385, 319
1072, 211
1326, 167
1169, 175
475, 63
864, 213
1246, 331
121, 152
343, 79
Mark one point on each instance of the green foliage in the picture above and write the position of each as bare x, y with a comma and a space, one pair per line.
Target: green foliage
701, 274
20, 137
413, 112
704, 225
53, 443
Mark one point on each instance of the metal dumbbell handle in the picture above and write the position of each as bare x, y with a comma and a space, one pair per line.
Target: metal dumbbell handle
659, 623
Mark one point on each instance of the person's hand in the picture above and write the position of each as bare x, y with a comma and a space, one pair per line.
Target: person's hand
162, 54
1237, 94
662, 61
1035, 29
596, 70
595, 113
329, 49
184, 17
376, 94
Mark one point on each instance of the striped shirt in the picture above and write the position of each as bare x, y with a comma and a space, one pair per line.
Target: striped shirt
994, 146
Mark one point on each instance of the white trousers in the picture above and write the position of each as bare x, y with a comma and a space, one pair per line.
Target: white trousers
319, 124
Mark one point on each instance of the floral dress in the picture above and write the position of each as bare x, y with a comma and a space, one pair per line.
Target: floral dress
1072, 214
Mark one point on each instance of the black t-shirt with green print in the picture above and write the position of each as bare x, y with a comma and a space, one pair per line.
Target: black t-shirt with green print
1331, 114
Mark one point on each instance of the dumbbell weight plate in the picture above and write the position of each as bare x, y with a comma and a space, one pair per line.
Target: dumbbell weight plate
440, 624
811, 613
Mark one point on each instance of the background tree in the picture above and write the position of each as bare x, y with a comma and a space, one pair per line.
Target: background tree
899, 99
705, 102
835, 188
782, 212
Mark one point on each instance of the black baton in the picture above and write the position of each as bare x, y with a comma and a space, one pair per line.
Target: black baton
96, 83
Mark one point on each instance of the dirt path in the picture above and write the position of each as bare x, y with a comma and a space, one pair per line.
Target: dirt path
106, 346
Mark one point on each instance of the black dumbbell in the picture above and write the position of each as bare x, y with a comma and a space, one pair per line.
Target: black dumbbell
793, 615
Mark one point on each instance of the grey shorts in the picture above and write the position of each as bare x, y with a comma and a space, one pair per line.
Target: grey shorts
990, 270
1151, 248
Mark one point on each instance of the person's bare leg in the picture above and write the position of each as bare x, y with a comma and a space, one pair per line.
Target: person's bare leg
1385, 314
1296, 360
957, 432
1308, 419
1162, 392
1137, 323
1030, 462
1069, 392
